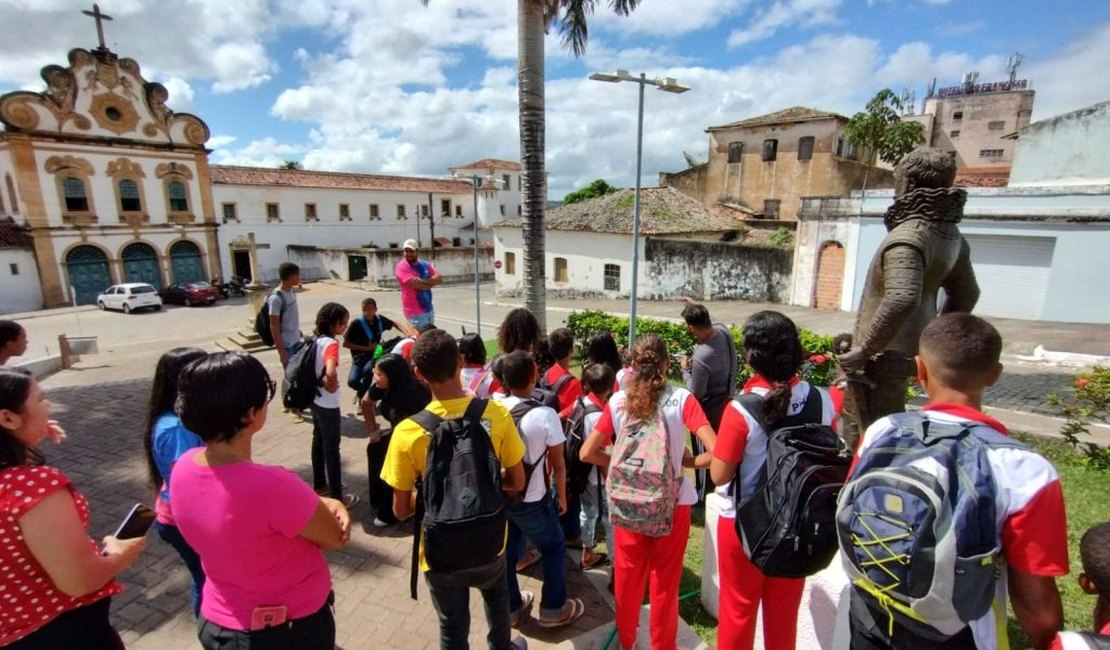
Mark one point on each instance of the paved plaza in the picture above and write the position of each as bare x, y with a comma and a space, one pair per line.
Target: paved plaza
101, 402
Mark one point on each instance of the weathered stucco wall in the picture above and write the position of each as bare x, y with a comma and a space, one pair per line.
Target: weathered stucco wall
454, 264
715, 271
690, 182
1067, 149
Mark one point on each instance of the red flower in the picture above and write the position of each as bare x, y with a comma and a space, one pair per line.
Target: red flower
819, 359
1081, 382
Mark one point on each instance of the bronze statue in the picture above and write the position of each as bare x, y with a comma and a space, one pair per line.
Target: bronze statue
923, 252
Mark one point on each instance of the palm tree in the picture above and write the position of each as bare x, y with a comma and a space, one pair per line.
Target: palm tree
533, 19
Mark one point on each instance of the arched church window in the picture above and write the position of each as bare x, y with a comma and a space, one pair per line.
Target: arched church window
129, 199
179, 197
76, 198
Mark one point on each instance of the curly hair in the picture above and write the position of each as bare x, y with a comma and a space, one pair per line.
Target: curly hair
329, 318
1094, 552
649, 364
519, 331
926, 167
773, 349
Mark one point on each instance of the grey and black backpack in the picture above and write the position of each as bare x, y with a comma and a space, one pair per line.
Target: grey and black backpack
917, 524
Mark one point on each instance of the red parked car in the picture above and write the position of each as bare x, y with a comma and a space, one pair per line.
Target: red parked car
197, 292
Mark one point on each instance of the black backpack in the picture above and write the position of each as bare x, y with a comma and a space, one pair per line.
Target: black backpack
301, 385
262, 320
548, 394
459, 506
518, 412
578, 471
788, 527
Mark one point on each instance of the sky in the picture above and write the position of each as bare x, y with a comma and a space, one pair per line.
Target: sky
394, 87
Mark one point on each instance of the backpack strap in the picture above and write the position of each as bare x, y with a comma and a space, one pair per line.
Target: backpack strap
281, 297
477, 379
560, 382
366, 328
518, 412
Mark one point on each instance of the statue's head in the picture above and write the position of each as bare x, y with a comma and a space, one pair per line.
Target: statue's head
924, 167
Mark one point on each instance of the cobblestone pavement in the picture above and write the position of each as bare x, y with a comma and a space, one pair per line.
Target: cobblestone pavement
104, 457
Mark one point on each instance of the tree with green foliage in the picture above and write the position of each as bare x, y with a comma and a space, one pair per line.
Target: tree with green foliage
880, 132
534, 17
290, 164
591, 191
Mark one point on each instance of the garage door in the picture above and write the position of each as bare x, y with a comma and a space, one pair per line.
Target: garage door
1012, 272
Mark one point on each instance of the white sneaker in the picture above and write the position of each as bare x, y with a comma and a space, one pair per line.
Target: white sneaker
378, 523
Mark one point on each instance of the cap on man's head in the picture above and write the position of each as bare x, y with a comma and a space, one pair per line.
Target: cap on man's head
410, 244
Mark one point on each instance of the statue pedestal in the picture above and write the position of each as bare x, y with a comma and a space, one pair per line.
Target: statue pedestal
247, 339
822, 622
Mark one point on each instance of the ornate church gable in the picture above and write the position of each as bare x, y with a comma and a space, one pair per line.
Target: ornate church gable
101, 96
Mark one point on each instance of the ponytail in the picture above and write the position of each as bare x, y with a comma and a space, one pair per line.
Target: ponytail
649, 378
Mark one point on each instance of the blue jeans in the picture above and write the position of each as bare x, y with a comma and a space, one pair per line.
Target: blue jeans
361, 376
172, 536
420, 320
538, 521
450, 593
595, 504
569, 520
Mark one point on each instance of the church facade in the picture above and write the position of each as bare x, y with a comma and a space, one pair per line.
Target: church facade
112, 186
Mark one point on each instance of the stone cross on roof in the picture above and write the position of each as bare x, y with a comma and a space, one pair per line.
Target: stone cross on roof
99, 18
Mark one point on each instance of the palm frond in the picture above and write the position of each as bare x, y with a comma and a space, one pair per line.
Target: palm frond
623, 7
573, 29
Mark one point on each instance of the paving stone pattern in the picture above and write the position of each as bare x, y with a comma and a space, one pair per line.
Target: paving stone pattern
104, 457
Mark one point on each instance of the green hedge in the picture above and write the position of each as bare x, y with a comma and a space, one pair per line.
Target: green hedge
819, 369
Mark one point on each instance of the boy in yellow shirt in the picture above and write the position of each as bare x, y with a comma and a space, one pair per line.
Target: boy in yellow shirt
435, 356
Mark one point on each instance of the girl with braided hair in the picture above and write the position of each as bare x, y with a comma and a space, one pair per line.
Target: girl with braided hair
772, 348
649, 397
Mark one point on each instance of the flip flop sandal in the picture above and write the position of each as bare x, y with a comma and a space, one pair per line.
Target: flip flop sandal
599, 559
526, 600
576, 609
528, 561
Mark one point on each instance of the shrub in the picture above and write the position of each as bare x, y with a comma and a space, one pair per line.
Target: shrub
781, 237
819, 369
1091, 405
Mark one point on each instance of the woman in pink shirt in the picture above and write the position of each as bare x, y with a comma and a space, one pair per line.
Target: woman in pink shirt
260, 530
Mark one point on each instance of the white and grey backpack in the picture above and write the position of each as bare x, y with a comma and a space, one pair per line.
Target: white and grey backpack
917, 524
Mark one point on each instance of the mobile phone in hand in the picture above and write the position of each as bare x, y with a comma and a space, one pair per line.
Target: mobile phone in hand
137, 522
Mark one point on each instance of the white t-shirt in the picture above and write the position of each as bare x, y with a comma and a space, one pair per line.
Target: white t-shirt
540, 429
480, 390
325, 346
588, 424
738, 423
682, 412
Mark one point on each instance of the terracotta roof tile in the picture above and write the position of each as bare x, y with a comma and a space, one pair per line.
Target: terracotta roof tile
487, 163
13, 235
793, 114
663, 211
229, 175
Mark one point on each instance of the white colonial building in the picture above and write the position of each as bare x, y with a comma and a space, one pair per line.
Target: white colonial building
111, 185
1038, 246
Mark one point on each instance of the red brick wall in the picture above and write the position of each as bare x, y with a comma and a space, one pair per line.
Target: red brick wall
830, 276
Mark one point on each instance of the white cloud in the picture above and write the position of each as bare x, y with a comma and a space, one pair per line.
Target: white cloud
266, 152
785, 13
1074, 77
181, 95
669, 18
220, 141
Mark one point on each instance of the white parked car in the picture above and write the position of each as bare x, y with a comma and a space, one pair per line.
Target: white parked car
130, 297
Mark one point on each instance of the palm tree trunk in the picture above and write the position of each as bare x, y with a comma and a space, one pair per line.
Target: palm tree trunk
530, 81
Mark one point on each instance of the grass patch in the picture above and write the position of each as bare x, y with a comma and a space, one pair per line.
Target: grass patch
1086, 493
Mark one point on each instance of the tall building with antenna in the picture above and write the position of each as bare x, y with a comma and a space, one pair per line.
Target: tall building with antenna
970, 120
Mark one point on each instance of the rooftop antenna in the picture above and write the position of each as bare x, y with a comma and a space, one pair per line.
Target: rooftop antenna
1012, 65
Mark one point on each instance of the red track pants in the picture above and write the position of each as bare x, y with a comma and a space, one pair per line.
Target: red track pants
743, 587
637, 557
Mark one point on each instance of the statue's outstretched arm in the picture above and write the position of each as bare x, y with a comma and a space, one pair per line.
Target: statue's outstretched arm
960, 288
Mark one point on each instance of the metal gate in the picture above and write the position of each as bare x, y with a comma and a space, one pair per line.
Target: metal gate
140, 264
185, 262
88, 273
356, 267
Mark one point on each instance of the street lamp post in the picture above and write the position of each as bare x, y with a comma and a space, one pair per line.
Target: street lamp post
476, 185
667, 84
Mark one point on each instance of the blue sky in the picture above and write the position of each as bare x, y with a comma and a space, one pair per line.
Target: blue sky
390, 86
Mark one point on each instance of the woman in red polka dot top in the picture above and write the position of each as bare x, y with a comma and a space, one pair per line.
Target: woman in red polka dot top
56, 583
